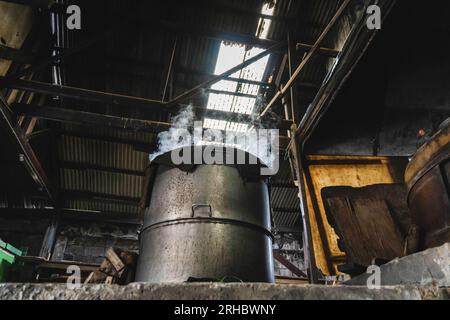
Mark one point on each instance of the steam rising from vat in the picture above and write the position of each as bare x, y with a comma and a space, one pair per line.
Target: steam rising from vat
185, 131
175, 137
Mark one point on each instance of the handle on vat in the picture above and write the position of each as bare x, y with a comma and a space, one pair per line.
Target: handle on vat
196, 206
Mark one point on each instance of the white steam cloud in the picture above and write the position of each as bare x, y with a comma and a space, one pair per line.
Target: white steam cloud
185, 131
177, 136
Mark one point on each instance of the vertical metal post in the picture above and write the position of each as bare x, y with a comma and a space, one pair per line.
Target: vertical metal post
295, 160
51, 234
308, 246
50, 237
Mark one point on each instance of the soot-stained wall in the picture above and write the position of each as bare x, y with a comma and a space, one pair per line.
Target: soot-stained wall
87, 241
399, 87
24, 233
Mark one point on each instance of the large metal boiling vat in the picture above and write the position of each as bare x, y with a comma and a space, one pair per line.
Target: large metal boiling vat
206, 222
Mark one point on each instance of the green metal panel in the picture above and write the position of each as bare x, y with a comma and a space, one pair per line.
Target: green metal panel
6, 260
8, 255
11, 248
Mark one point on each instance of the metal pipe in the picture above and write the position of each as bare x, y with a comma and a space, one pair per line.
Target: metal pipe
313, 50
89, 118
82, 94
169, 70
198, 89
26, 153
322, 50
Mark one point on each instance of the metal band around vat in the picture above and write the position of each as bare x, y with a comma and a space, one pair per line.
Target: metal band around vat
208, 220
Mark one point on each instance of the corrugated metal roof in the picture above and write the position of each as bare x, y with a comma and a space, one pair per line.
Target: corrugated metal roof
101, 182
101, 206
91, 151
134, 61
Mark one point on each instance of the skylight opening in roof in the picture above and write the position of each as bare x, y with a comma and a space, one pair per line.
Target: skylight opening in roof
232, 54
224, 125
264, 24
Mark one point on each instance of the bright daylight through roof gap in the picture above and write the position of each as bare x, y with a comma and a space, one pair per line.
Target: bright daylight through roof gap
230, 55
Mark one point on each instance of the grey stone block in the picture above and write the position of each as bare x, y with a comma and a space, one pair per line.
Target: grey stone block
431, 266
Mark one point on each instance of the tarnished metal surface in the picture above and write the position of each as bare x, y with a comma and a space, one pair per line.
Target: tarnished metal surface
430, 205
428, 181
431, 154
205, 249
209, 223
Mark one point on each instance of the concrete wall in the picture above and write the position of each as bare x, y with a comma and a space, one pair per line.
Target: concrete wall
396, 89
24, 233
88, 242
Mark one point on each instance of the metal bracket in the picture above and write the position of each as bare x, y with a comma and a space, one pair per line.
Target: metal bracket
196, 206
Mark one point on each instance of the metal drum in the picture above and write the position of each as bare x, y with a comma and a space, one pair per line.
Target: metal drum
428, 180
210, 222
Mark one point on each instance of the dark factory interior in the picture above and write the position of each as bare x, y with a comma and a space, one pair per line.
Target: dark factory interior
99, 98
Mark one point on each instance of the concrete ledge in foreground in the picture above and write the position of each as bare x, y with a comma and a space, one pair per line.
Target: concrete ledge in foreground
216, 291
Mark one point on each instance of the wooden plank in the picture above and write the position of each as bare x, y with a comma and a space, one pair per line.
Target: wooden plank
366, 229
288, 280
115, 260
348, 229
379, 228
